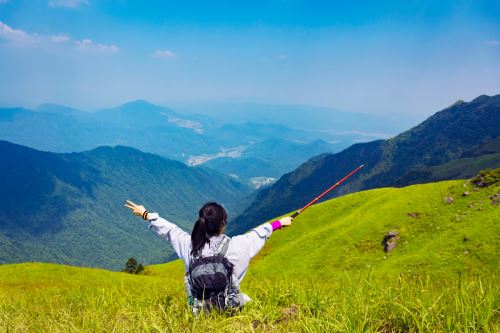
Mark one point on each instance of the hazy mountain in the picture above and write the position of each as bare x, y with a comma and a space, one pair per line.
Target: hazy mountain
457, 132
163, 131
270, 158
60, 109
303, 116
244, 167
140, 124
68, 208
288, 155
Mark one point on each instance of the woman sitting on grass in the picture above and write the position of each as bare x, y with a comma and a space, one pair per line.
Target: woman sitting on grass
215, 264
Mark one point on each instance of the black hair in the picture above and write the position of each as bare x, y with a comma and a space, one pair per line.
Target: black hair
212, 218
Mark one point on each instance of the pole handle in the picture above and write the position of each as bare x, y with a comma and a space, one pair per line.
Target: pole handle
294, 215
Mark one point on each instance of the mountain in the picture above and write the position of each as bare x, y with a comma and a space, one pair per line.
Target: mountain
305, 117
59, 109
270, 158
158, 130
244, 167
68, 208
287, 155
485, 156
459, 131
139, 124
325, 273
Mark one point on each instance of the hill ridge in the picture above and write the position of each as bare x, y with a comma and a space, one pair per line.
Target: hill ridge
448, 135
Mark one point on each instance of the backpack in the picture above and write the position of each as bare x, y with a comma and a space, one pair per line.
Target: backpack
209, 281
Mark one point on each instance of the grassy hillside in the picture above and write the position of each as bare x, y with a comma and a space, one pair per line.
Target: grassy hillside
327, 272
460, 131
344, 235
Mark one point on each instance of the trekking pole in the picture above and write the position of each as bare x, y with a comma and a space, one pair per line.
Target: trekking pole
294, 215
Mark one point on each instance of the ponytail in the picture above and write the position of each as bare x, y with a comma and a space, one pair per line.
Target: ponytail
212, 219
199, 235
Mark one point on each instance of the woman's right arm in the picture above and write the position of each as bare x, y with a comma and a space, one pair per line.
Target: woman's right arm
179, 239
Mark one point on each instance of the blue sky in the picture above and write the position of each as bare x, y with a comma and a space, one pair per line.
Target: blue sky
409, 57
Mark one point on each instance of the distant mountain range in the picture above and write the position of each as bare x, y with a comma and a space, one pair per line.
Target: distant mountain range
192, 139
310, 117
454, 143
68, 208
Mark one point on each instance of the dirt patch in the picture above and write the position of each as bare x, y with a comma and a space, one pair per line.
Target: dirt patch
494, 198
288, 314
367, 246
415, 215
393, 327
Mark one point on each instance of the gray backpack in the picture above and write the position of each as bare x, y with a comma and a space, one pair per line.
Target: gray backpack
209, 281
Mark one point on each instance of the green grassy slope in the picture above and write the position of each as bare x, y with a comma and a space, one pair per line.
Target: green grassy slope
345, 234
327, 272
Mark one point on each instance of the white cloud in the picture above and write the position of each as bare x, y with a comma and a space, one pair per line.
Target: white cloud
60, 38
493, 42
16, 36
73, 4
89, 45
165, 54
20, 38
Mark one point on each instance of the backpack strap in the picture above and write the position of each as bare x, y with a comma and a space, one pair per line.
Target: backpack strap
223, 246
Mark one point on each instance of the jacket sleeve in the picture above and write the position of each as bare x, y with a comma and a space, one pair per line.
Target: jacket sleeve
180, 240
253, 241
244, 247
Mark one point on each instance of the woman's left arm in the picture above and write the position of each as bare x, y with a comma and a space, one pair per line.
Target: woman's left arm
253, 241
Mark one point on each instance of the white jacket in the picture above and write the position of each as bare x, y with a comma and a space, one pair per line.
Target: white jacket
241, 248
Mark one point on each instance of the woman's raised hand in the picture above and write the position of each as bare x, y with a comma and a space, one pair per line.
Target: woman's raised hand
136, 209
286, 221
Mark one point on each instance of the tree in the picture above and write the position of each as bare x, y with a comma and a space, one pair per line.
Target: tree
133, 267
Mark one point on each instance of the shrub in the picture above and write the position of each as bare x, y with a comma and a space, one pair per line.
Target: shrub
487, 178
133, 267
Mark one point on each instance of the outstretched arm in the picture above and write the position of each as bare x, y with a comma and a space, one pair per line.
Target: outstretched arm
244, 247
179, 239
257, 237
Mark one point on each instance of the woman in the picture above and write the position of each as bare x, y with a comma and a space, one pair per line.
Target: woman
209, 255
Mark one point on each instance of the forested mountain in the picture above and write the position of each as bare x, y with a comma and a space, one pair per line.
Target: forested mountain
68, 208
423, 153
270, 158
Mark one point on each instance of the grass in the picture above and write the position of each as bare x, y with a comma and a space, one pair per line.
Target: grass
115, 302
326, 273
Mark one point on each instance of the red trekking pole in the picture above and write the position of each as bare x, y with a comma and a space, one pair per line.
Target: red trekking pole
294, 215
